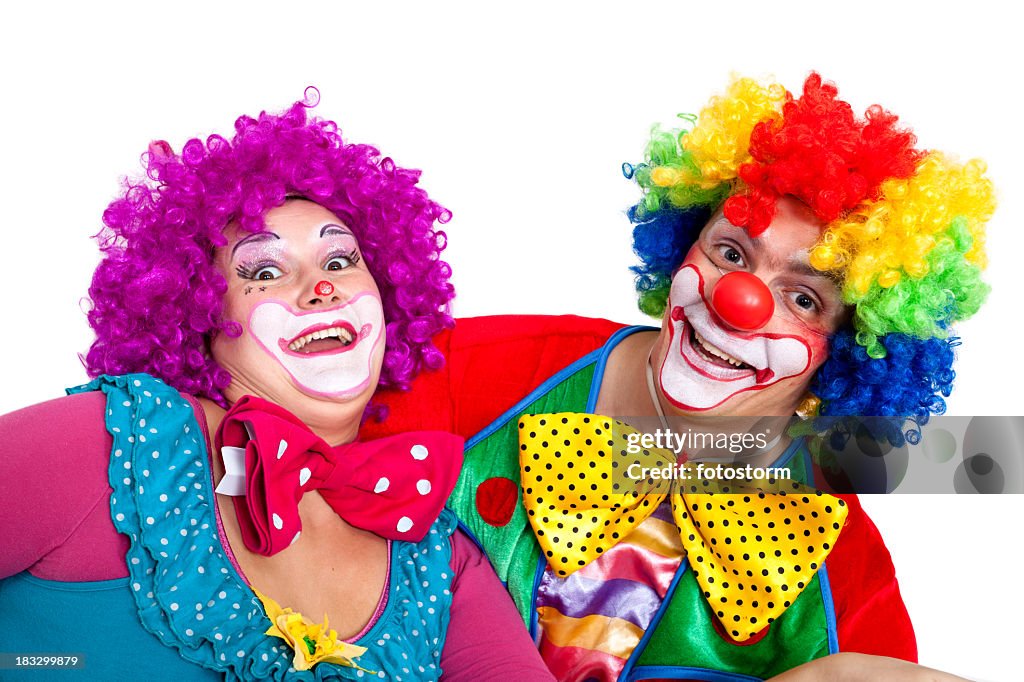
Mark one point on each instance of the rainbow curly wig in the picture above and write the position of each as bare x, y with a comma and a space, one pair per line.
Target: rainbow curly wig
903, 230
157, 298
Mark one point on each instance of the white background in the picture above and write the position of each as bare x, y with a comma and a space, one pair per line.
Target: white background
520, 115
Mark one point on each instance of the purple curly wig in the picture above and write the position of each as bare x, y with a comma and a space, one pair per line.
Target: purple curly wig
157, 297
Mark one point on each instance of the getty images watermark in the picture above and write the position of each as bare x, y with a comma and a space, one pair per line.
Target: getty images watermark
965, 455
690, 441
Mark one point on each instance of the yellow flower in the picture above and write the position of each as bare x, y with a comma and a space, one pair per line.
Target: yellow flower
311, 641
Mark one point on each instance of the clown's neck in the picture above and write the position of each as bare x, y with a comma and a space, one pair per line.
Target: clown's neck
625, 393
624, 385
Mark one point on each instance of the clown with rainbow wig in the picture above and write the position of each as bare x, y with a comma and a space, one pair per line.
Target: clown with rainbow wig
804, 260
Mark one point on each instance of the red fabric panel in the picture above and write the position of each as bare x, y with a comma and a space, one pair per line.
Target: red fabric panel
492, 362
872, 618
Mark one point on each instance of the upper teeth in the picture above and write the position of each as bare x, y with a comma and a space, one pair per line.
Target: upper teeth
335, 332
716, 351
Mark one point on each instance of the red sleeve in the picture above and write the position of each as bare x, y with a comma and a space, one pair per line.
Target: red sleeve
486, 638
54, 495
871, 617
490, 363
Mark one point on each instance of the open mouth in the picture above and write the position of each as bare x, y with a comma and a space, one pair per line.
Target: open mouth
323, 339
713, 362
712, 353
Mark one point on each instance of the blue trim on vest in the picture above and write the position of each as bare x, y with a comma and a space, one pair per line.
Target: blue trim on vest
681, 673
830, 610
659, 614
517, 409
538, 575
606, 350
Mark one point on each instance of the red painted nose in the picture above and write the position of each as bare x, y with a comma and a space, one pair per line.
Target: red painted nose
743, 301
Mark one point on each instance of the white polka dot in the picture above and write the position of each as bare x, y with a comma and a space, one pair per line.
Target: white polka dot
240, 654
404, 524
142, 439
278, 523
142, 423
222, 595
199, 616
150, 520
188, 631
127, 465
119, 517
137, 382
423, 486
201, 569
174, 607
118, 453
281, 448
126, 404
156, 454
163, 497
304, 475
218, 636
163, 541
382, 485
418, 452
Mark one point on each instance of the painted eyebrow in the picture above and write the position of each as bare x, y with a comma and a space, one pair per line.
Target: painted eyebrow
258, 237
334, 228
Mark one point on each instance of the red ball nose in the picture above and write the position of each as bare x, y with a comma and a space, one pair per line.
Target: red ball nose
742, 301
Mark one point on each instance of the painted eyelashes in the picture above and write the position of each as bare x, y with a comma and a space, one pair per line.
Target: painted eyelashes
254, 269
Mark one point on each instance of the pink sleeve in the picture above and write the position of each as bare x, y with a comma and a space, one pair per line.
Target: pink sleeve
54, 495
486, 637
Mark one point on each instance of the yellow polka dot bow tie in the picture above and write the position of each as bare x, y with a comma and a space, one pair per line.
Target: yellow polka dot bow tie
753, 546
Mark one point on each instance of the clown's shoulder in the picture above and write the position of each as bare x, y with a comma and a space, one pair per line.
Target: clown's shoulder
54, 488
870, 614
491, 362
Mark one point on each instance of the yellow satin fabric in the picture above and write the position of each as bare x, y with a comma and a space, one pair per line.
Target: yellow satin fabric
752, 548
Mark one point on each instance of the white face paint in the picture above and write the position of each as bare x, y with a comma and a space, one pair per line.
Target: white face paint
337, 371
691, 380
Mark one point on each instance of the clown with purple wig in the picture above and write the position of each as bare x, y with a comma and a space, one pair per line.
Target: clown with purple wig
204, 508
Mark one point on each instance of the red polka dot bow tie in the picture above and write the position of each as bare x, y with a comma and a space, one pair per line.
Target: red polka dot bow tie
752, 546
394, 487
